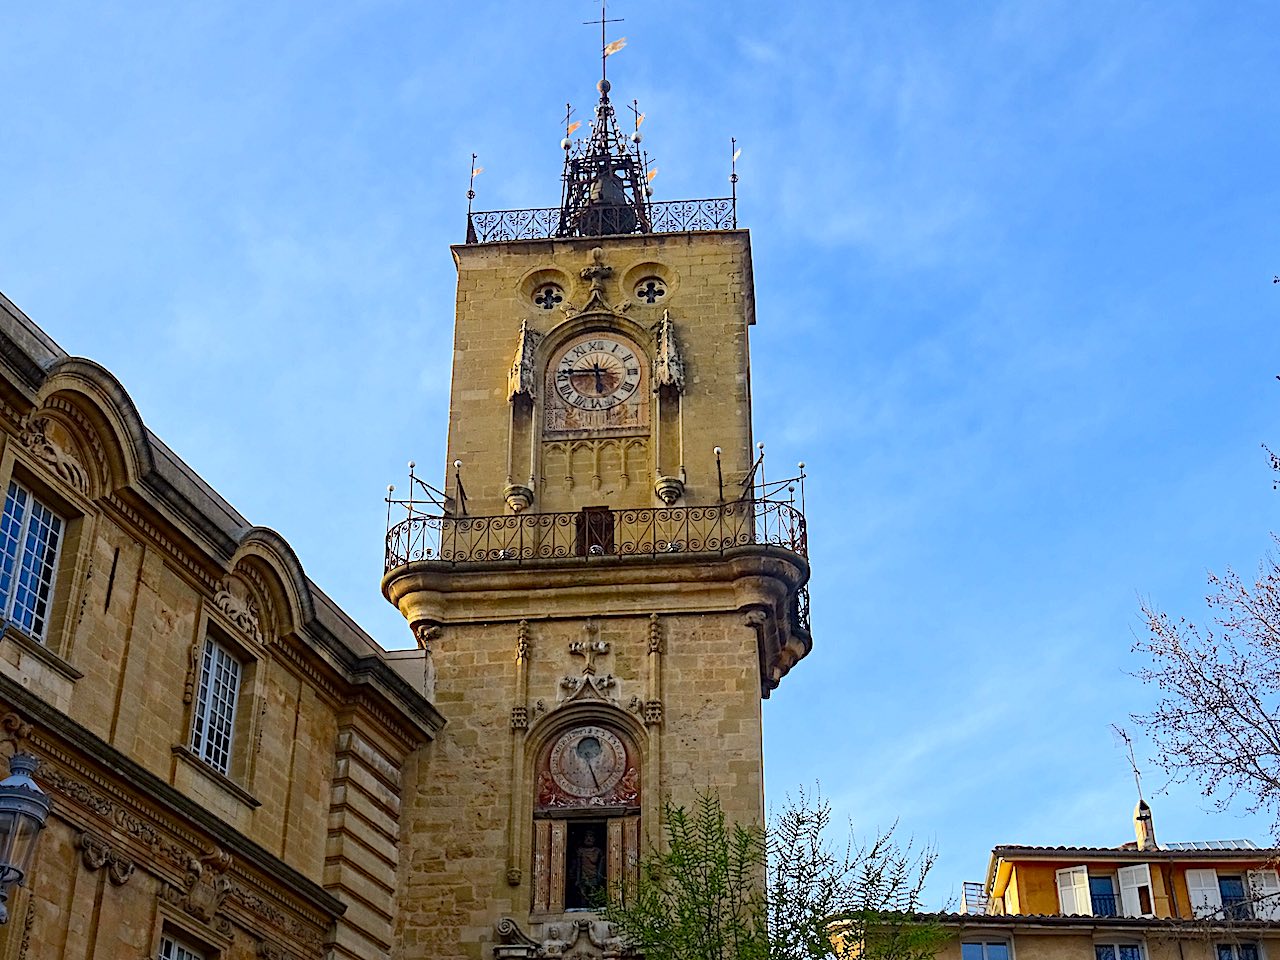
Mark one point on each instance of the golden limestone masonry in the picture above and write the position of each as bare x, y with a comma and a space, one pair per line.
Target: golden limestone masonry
601, 595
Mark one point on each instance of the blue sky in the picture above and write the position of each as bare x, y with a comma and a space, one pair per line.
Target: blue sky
1013, 269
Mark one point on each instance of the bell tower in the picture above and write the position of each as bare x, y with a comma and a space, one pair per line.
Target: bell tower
606, 585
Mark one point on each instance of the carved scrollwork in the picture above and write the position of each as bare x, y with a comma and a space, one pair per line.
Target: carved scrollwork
234, 600
18, 730
53, 453
96, 853
206, 885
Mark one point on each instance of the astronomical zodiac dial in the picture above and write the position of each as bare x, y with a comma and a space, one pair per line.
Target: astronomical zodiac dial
588, 762
597, 373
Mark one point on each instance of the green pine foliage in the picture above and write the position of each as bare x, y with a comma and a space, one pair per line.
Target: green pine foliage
721, 891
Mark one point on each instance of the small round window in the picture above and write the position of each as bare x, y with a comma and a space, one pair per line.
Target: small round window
548, 296
651, 290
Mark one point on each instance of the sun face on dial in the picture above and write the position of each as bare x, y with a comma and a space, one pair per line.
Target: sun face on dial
597, 373
588, 762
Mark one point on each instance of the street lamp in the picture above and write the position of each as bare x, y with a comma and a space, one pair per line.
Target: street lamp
24, 807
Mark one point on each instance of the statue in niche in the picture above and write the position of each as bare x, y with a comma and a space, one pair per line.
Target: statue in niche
586, 871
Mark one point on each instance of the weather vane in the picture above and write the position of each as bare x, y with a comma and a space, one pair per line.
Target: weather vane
606, 48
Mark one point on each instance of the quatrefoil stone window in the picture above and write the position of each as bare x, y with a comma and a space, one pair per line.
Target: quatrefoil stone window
548, 295
651, 290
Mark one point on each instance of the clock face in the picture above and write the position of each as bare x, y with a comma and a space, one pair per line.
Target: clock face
588, 762
597, 373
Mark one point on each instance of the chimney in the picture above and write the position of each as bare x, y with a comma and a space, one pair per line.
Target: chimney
1143, 828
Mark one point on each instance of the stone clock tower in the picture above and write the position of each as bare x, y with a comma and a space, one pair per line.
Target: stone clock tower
606, 586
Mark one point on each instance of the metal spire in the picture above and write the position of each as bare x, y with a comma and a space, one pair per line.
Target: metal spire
604, 183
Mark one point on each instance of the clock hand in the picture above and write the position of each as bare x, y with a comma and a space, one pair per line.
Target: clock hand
595, 368
591, 769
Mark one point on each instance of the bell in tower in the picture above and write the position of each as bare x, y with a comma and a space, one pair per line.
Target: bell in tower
605, 185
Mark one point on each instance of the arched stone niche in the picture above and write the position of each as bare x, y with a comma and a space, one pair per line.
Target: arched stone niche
587, 797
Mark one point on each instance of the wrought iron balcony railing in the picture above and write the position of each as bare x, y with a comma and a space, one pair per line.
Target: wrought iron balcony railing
597, 533
671, 216
1104, 905
1237, 908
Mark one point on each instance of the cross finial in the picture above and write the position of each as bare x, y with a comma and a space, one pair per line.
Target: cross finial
604, 41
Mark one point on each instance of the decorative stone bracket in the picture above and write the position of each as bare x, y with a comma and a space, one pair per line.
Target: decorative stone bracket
96, 853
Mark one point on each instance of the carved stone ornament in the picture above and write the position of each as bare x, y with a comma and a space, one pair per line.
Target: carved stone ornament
233, 599
584, 939
424, 633
522, 380
596, 274
17, 730
589, 683
53, 454
96, 853
520, 718
206, 886
655, 634
669, 489
273, 951
514, 942
518, 496
193, 665
668, 366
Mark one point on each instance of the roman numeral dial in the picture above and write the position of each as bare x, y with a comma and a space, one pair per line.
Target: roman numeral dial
597, 373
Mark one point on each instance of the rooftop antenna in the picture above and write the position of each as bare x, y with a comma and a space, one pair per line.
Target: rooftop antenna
1133, 764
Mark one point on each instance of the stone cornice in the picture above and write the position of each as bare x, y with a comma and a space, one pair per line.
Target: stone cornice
572, 587
94, 777
371, 684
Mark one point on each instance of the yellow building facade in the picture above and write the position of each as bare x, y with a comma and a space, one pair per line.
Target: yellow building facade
1216, 900
601, 593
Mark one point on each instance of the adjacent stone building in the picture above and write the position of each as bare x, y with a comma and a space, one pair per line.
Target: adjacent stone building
601, 595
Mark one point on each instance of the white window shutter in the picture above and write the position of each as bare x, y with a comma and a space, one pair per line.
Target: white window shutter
1073, 891
1264, 889
1202, 887
1132, 879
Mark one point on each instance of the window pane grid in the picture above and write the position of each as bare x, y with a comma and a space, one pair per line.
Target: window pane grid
1117, 951
30, 534
172, 950
216, 707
